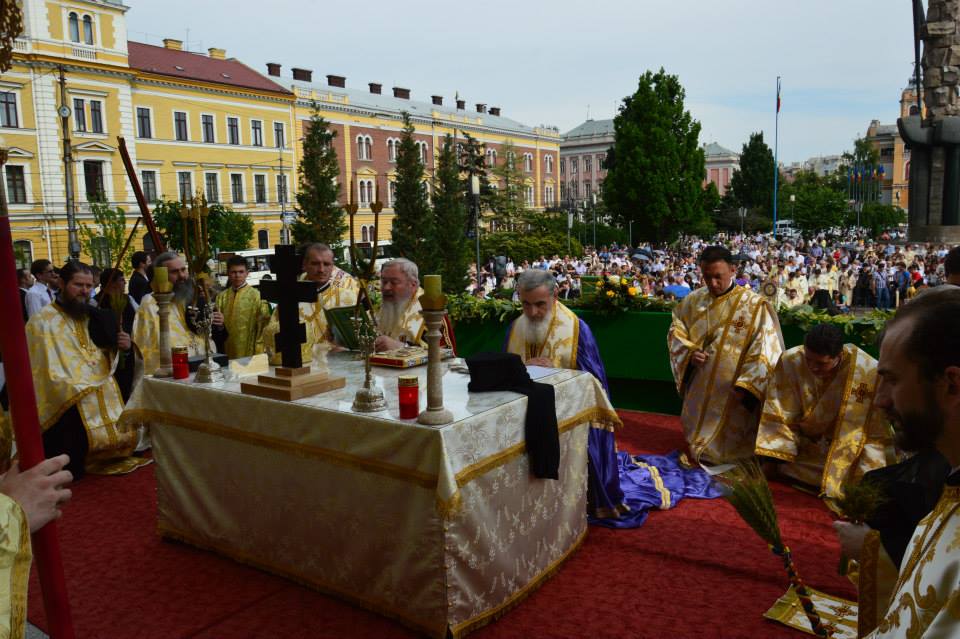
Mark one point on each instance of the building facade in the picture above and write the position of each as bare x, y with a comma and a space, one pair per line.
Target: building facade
719, 163
583, 155
894, 155
204, 123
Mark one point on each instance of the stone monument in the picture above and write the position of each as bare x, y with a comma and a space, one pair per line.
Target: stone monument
933, 133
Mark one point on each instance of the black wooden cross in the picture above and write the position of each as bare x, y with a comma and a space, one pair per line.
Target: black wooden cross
286, 291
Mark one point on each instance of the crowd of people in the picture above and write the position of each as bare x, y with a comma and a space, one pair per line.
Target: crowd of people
837, 270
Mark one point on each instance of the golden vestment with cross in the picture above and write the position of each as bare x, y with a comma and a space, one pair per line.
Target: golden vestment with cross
740, 333
827, 431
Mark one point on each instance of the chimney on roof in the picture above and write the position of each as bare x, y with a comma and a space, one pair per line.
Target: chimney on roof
217, 54
494, 110
273, 69
302, 74
403, 94
481, 107
375, 88
337, 81
437, 99
461, 104
174, 45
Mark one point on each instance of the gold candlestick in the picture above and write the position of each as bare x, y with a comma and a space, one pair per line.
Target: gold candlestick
166, 362
433, 309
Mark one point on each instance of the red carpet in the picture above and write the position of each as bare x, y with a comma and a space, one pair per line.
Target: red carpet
694, 571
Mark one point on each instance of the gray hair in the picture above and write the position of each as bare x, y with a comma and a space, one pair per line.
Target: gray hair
316, 247
164, 258
533, 278
409, 268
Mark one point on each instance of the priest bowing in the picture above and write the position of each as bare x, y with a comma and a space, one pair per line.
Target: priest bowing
621, 489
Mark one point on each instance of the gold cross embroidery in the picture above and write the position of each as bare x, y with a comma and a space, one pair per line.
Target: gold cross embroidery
739, 325
861, 392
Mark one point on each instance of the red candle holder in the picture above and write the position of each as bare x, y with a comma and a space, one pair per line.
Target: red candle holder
408, 388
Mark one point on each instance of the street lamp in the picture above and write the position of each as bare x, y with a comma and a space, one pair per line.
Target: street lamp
593, 197
742, 212
475, 192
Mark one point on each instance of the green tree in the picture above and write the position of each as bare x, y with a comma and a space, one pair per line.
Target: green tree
450, 219
508, 200
413, 224
228, 229
320, 218
656, 167
864, 160
819, 205
878, 217
104, 240
751, 185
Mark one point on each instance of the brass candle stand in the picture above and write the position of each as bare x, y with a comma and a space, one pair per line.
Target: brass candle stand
194, 216
166, 362
433, 310
369, 397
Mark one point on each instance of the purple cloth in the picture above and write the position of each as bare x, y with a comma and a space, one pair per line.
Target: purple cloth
616, 479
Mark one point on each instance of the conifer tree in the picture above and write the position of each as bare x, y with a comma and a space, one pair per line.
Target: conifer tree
508, 200
450, 219
320, 218
413, 224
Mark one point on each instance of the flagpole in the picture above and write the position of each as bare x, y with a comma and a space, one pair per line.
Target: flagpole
776, 156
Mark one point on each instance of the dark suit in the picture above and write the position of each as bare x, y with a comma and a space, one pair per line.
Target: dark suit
23, 304
139, 286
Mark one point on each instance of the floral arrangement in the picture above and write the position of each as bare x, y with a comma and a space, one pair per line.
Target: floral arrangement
613, 294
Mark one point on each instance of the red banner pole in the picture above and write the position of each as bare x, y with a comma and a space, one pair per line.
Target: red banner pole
26, 427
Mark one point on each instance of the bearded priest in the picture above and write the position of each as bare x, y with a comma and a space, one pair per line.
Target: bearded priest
146, 326
621, 489
819, 426
335, 289
724, 342
73, 352
399, 320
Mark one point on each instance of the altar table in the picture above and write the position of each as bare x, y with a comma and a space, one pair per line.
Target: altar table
442, 528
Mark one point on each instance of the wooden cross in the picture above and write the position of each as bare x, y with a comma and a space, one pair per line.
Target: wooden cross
862, 391
287, 292
739, 325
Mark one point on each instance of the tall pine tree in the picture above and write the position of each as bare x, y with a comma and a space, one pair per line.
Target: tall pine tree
656, 167
413, 227
450, 219
320, 218
751, 185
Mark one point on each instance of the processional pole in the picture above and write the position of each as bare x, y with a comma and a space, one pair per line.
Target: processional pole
19, 376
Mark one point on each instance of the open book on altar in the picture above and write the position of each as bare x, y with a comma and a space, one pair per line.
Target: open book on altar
340, 321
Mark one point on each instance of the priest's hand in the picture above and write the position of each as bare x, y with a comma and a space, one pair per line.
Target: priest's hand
851, 538
699, 358
40, 490
123, 341
546, 362
385, 343
217, 318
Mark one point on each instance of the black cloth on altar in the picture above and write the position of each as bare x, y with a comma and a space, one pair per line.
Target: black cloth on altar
913, 488
507, 372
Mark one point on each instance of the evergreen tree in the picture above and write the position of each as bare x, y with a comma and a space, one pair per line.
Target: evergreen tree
413, 228
656, 167
450, 219
320, 218
752, 184
508, 200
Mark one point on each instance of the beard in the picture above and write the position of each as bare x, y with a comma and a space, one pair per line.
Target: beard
534, 332
919, 430
76, 307
391, 312
183, 292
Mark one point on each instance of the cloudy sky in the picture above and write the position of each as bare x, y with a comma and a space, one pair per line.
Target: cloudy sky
843, 62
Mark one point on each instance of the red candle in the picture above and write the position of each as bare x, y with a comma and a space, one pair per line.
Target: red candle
408, 387
181, 362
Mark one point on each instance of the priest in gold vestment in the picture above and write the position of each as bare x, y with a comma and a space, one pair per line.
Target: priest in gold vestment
146, 326
73, 358
335, 289
919, 388
399, 320
818, 425
244, 314
724, 342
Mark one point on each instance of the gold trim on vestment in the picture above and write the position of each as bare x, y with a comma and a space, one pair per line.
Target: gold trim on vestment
63, 409
516, 598
665, 499
776, 454
929, 539
20, 577
379, 607
306, 451
867, 610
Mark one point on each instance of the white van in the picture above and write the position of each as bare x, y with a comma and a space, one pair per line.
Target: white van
258, 265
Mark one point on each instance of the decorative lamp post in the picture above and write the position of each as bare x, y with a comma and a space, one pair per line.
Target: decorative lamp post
475, 192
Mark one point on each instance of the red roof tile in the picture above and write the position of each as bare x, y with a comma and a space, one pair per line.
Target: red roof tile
196, 66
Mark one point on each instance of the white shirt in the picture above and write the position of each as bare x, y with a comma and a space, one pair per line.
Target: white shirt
37, 297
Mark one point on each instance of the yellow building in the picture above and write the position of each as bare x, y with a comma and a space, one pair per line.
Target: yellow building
190, 121
894, 155
206, 122
368, 128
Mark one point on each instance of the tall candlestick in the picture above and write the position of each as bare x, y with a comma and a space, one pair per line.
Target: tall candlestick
165, 369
